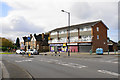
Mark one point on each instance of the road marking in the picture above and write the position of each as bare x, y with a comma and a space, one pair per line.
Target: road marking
5, 71
115, 62
101, 60
18, 61
108, 72
0, 62
73, 65
28, 60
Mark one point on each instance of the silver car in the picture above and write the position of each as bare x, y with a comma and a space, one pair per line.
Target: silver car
32, 51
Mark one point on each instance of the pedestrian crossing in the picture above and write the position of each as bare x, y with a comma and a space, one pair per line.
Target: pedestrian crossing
63, 63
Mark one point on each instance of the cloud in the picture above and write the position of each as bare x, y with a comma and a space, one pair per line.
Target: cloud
105, 11
37, 16
19, 23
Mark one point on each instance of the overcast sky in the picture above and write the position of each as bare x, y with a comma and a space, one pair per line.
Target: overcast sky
21, 17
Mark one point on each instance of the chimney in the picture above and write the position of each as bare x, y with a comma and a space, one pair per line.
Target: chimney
43, 36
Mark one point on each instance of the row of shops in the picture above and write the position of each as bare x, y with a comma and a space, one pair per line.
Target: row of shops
74, 47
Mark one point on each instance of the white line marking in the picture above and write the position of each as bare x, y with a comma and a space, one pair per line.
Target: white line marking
115, 62
73, 65
18, 61
23, 60
0, 62
5, 71
108, 72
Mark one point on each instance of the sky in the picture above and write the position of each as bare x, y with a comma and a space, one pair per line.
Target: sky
20, 18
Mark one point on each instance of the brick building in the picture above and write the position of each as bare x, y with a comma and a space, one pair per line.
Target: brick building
42, 42
83, 37
112, 45
29, 42
39, 42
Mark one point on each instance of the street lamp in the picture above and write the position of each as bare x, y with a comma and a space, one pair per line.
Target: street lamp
68, 30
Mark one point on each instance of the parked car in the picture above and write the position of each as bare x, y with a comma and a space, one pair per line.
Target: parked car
20, 51
32, 51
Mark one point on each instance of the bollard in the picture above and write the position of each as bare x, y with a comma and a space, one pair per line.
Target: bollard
90, 52
108, 51
23, 54
29, 54
59, 53
114, 51
55, 53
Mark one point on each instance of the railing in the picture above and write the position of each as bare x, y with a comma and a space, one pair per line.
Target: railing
65, 41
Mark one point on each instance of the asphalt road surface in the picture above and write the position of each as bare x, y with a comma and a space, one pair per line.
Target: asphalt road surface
39, 66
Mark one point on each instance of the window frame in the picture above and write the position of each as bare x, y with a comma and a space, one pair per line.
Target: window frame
97, 28
98, 37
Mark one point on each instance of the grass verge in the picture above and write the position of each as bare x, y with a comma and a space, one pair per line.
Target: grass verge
7, 53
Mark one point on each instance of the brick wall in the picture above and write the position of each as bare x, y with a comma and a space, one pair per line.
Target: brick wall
102, 41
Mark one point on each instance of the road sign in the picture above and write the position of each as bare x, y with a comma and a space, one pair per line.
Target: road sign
28, 38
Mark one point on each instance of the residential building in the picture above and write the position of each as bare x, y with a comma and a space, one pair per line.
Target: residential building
29, 42
112, 45
42, 42
21, 45
83, 37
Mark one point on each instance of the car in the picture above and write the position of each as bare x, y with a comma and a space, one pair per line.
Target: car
20, 51
32, 51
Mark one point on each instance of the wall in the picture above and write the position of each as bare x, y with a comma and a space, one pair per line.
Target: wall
102, 41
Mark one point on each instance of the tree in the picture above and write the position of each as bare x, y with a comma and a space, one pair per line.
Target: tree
119, 41
18, 42
5, 44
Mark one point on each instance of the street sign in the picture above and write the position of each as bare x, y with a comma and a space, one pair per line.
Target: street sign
28, 38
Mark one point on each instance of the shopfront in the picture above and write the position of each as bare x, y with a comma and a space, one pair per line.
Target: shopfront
85, 47
73, 47
58, 47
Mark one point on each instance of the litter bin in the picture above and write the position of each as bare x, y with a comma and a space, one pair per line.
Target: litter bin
99, 51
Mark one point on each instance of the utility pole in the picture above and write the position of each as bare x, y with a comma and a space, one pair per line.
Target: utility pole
68, 30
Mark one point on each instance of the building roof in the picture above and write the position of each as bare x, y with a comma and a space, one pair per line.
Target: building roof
111, 42
38, 37
89, 24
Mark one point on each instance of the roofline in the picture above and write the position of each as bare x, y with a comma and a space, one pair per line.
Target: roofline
77, 25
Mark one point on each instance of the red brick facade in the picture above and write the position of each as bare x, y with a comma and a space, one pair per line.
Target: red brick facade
102, 41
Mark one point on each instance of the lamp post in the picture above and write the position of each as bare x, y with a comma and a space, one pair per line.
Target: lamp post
68, 30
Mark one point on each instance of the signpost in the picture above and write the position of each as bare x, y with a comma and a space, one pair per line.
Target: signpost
28, 41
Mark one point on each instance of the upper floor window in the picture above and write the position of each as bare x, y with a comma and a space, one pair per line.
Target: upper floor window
54, 33
97, 36
81, 29
97, 28
74, 30
88, 29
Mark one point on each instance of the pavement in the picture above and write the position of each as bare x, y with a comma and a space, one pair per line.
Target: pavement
79, 55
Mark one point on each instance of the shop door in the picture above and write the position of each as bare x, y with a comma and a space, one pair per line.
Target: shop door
85, 48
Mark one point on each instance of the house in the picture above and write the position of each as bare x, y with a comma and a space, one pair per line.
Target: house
42, 42
21, 45
83, 37
112, 45
29, 42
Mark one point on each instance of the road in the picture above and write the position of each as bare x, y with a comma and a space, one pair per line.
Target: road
39, 66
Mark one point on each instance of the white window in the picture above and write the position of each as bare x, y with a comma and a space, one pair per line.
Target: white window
97, 36
104, 42
74, 30
97, 28
53, 33
81, 29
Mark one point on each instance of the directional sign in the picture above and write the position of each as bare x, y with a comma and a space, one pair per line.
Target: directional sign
28, 38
